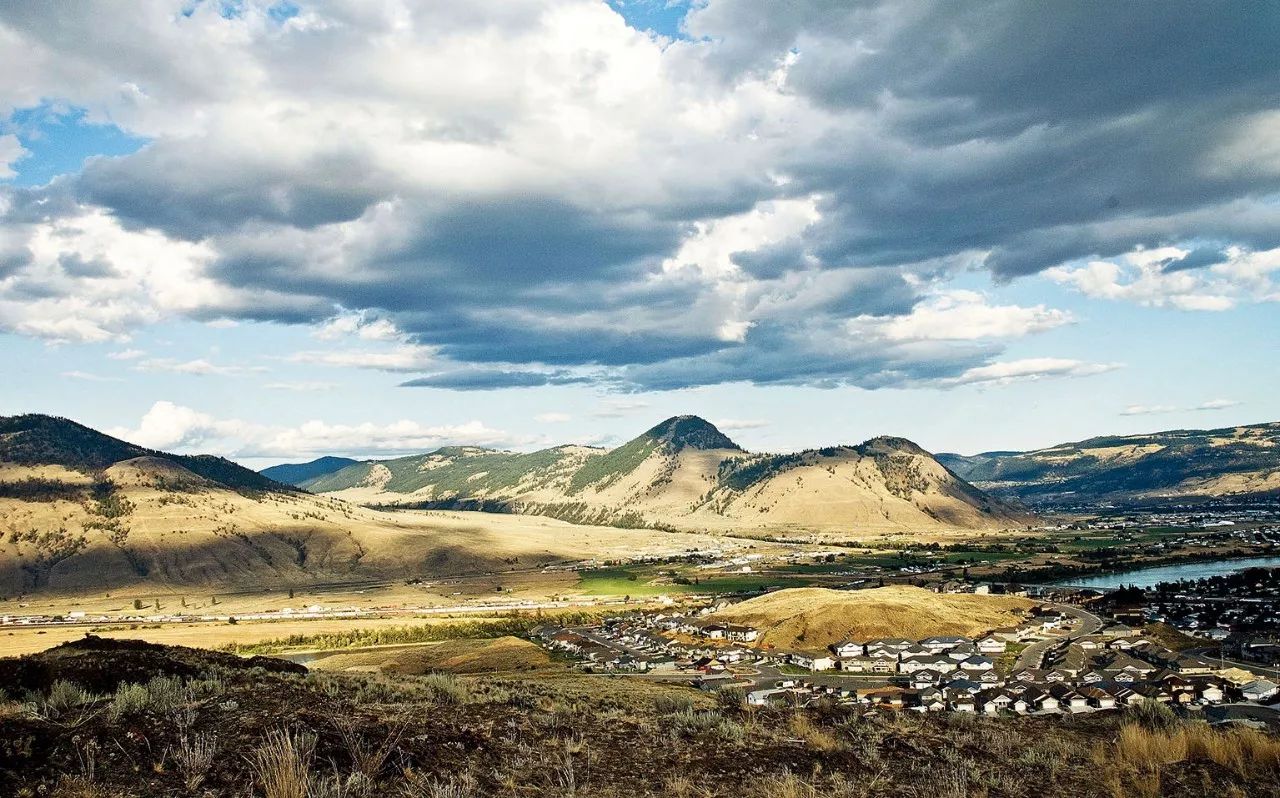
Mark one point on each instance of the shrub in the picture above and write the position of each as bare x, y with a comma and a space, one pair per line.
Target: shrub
1152, 715
64, 698
445, 688
282, 764
461, 786
671, 704
814, 736
194, 757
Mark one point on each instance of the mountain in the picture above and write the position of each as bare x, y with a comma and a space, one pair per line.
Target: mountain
1239, 462
684, 473
40, 440
83, 513
297, 473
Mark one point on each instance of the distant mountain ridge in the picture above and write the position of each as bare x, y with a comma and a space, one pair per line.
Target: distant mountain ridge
1239, 462
297, 473
36, 439
684, 473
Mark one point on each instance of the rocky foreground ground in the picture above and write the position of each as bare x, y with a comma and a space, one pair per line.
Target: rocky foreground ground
123, 718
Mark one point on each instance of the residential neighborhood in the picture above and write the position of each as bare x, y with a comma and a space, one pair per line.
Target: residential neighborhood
1060, 660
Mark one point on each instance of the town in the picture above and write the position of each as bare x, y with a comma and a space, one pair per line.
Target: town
1063, 659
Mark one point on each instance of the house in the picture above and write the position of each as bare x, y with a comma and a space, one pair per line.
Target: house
960, 702
884, 663
855, 664
941, 644
1211, 693
925, 678
931, 699
741, 634
773, 697
885, 696
1259, 690
894, 644
1069, 700
1098, 698
977, 664
1041, 700
715, 631
992, 645
846, 649
994, 702
814, 662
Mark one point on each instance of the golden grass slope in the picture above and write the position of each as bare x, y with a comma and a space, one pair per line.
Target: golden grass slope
813, 618
502, 654
165, 527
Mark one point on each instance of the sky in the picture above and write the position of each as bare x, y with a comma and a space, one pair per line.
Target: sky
280, 230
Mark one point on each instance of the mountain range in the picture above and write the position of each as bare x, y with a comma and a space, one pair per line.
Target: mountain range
84, 511
1237, 462
683, 473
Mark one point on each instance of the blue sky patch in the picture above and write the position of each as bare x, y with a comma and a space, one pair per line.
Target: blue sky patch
59, 139
663, 17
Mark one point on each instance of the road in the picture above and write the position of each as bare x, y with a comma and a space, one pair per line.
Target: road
1261, 671
1033, 655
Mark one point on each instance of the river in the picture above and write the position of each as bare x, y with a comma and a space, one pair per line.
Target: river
1149, 577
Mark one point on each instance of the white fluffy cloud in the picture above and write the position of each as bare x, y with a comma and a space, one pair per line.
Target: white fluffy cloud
1156, 278
11, 151
962, 316
172, 427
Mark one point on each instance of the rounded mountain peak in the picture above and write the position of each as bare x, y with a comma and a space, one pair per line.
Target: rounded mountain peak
690, 432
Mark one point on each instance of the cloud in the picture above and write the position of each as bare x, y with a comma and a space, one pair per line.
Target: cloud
171, 427
780, 197
552, 418
126, 354
89, 377
1027, 369
399, 358
11, 151
198, 367
494, 379
736, 424
1214, 281
1148, 410
301, 386
1216, 404
619, 408
962, 316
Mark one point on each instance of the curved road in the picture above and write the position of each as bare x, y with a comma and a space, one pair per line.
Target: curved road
1033, 655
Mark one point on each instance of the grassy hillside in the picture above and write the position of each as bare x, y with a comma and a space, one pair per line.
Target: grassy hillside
501, 654
96, 718
1232, 461
814, 618
684, 473
35, 440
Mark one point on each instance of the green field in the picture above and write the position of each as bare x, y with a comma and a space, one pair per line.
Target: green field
636, 582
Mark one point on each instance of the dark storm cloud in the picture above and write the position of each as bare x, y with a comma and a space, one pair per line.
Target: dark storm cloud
933, 137
163, 186
1022, 129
